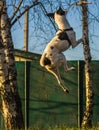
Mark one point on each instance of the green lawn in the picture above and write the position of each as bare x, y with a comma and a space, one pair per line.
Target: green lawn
64, 128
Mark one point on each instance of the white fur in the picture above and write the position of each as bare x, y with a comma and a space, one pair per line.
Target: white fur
61, 21
55, 55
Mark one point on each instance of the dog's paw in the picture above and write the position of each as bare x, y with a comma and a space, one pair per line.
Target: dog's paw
72, 68
66, 90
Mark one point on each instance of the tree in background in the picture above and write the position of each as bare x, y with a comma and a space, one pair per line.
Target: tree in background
88, 114
11, 108
11, 103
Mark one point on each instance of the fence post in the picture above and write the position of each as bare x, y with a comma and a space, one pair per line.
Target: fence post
80, 91
27, 81
26, 29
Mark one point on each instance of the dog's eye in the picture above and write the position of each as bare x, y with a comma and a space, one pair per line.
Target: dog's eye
50, 54
51, 47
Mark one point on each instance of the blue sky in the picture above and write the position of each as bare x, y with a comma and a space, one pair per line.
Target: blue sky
41, 30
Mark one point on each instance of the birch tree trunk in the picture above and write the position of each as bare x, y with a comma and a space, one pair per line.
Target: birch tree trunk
88, 114
11, 103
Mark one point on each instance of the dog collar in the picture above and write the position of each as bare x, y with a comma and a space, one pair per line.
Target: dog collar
68, 29
62, 35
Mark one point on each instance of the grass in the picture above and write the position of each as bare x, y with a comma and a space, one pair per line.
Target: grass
58, 128
64, 128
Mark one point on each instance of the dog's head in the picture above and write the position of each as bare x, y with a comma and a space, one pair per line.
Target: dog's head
59, 12
59, 16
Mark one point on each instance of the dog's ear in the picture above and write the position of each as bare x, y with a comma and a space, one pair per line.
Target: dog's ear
50, 15
60, 11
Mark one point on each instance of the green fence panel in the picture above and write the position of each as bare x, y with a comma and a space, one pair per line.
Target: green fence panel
45, 105
21, 83
95, 79
49, 106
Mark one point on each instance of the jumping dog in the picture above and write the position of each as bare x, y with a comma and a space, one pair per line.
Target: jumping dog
52, 56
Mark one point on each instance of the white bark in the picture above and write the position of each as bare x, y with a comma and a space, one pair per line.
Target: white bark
88, 114
10, 99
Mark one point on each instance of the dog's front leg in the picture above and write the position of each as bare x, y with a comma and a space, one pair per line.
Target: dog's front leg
55, 72
64, 62
77, 43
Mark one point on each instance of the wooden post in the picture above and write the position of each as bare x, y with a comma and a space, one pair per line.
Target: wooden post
26, 28
27, 77
80, 91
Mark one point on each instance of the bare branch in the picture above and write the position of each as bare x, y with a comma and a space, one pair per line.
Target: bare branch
29, 7
21, 14
81, 3
46, 14
17, 9
94, 16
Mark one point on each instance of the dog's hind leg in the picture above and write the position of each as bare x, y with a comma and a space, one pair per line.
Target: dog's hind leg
68, 68
55, 72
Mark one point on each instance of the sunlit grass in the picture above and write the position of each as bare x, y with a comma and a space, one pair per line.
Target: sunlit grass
64, 128
59, 128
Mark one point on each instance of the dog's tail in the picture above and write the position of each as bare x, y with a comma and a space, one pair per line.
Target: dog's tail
42, 60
